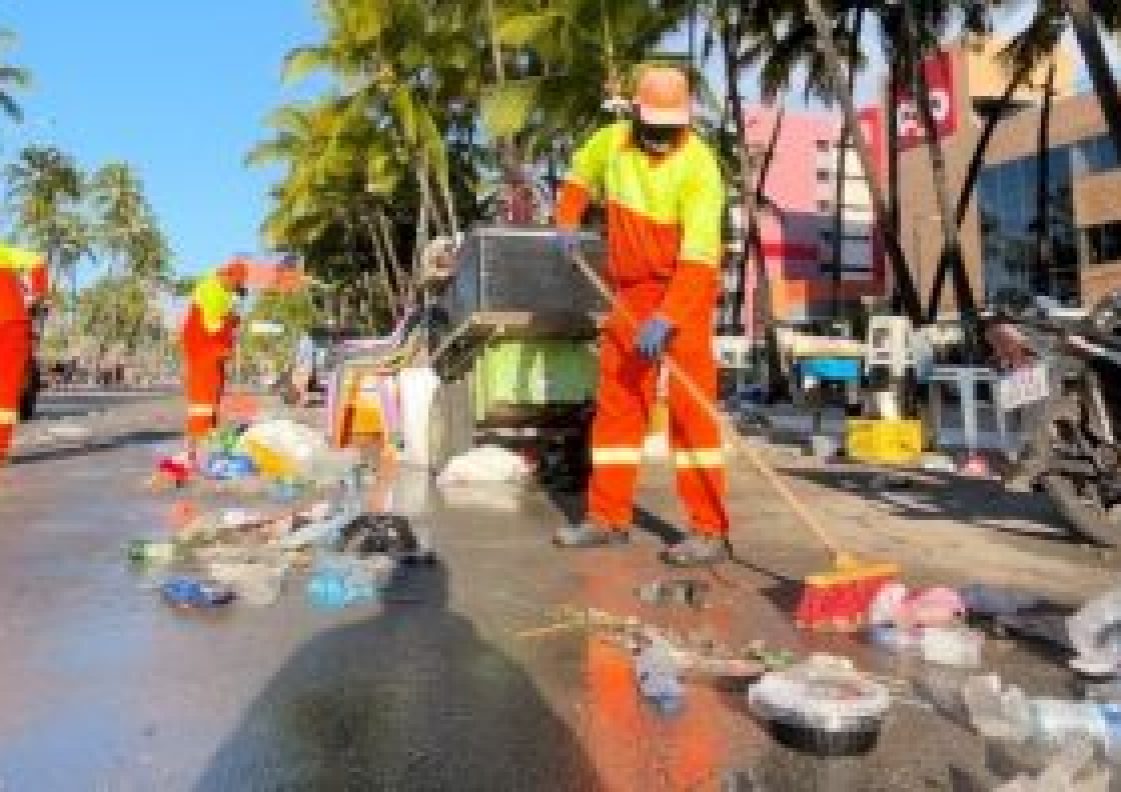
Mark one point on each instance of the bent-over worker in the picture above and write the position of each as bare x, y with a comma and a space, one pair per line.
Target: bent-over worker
24, 284
208, 343
663, 194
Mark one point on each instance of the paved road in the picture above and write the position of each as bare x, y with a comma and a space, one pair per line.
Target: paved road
74, 403
103, 688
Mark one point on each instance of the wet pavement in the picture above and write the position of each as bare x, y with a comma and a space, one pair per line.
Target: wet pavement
102, 687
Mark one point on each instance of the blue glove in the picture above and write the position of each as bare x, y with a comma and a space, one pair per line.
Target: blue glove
653, 337
566, 241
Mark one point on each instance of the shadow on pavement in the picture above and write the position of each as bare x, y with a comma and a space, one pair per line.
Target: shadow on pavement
943, 497
142, 437
408, 699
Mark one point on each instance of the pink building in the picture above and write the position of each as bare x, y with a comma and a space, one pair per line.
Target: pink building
797, 217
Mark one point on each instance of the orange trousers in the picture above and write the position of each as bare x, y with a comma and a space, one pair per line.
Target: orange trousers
205, 382
15, 355
624, 404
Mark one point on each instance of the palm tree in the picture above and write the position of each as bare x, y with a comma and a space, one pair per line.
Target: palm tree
123, 214
1087, 19
11, 77
330, 191
396, 152
44, 189
918, 37
136, 251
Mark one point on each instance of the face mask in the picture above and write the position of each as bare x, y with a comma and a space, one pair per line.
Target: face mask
656, 139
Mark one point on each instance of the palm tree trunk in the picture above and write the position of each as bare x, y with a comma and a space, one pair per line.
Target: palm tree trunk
1042, 280
903, 280
449, 205
841, 172
421, 238
400, 277
891, 118
1093, 53
976, 162
752, 189
951, 255
777, 384
992, 119
382, 263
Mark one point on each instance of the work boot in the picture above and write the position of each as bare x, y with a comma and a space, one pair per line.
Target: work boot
697, 551
590, 534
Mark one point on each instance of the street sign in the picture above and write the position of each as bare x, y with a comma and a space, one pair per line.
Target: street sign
1022, 387
938, 71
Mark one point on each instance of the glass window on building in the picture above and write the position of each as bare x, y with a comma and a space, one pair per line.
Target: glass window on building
1008, 206
1103, 244
1094, 155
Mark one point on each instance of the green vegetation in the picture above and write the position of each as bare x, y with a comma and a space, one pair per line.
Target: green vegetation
431, 101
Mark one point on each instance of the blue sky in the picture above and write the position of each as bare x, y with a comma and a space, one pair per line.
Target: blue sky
178, 89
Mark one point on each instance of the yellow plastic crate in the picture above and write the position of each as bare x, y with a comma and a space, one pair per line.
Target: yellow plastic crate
883, 440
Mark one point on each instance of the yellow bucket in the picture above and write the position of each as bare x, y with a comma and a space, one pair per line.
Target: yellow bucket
884, 440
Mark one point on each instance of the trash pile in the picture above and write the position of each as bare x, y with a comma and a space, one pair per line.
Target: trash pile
307, 520
1075, 740
825, 706
274, 457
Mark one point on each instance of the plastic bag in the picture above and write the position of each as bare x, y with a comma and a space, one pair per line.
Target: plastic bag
283, 448
489, 464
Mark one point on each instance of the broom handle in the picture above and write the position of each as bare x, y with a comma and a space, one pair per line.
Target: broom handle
809, 522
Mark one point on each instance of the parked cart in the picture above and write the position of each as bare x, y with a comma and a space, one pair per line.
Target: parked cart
512, 339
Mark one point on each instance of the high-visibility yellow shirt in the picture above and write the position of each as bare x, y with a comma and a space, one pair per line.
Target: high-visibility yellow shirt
664, 213
214, 301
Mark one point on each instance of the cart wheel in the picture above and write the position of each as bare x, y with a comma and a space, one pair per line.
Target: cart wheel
451, 421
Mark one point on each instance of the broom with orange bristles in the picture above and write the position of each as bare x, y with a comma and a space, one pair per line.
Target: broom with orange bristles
837, 600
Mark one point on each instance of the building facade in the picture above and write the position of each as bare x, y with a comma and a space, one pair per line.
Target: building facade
1079, 259
798, 222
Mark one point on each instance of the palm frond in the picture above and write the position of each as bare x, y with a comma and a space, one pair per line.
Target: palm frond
304, 61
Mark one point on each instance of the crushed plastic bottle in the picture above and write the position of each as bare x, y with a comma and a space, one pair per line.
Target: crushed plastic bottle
255, 583
659, 677
1095, 632
996, 712
228, 467
1059, 720
152, 551
1073, 769
1008, 714
338, 580
187, 592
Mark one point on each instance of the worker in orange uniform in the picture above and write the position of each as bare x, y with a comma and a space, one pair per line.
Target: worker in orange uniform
208, 342
24, 285
664, 197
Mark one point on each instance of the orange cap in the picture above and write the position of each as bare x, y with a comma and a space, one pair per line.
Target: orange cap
236, 269
663, 97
